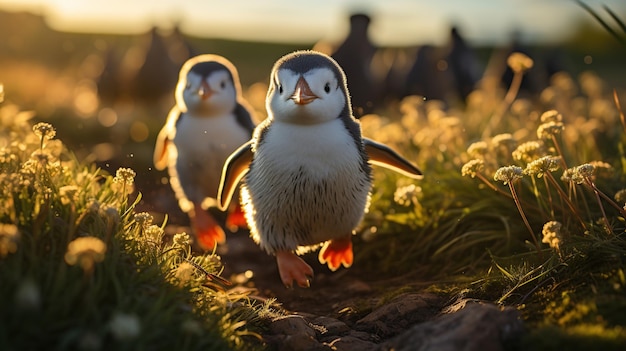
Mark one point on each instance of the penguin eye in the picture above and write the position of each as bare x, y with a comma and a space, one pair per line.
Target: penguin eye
223, 84
280, 89
327, 88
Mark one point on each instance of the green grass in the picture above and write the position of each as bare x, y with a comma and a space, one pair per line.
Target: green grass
81, 270
472, 218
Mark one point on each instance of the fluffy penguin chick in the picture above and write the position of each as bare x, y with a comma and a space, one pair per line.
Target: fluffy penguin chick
208, 122
307, 176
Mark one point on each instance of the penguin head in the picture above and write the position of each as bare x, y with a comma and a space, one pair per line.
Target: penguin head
307, 87
208, 85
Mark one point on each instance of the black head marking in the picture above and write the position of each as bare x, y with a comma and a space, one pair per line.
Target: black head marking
207, 64
205, 69
306, 60
303, 61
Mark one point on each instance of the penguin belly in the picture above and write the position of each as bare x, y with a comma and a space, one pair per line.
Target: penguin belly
202, 145
307, 184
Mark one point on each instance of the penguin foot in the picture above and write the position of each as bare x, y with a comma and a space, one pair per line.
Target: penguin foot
291, 267
236, 219
208, 232
337, 252
208, 238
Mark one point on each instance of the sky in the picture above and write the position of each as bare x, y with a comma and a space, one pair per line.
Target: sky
395, 22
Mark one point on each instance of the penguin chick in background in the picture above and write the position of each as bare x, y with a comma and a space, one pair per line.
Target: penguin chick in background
209, 121
306, 171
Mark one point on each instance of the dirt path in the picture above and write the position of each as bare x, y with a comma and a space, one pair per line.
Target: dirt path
351, 309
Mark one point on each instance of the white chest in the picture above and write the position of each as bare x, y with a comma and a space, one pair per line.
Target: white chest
306, 185
321, 149
198, 135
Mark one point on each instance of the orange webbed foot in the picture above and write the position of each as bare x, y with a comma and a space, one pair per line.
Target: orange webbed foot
291, 267
208, 232
337, 252
236, 219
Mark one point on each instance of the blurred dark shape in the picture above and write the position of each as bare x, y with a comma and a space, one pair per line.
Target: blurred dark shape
555, 62
534, 79
108, 84
428, 75
147, 71
463, 64
355, 56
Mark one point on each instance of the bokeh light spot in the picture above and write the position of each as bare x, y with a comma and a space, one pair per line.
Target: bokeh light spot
139, 131
107, 117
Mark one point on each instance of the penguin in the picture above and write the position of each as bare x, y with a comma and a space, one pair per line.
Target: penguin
208, 122
306, 175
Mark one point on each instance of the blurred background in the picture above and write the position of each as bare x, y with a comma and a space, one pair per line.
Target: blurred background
103, 72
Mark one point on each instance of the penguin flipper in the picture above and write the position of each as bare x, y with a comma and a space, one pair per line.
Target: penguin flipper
164, 138
244, 117
382, 155
160, 149
235, 167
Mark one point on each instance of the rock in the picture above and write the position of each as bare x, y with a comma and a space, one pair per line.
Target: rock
292, 325
350, 343
399, 314
331, 326
299, 342
477, 326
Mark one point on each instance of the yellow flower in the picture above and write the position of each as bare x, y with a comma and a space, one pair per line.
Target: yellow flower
528, 151
124, 175
144, 219
549, 129
519, 62
472, 167
184, 273
407, 195
45, 131
477, 149
542, 165
504, 139
182, 239
551, 116
9, 235
578, 174
85, 251
552, 234
586, 170
508, 174
153, 233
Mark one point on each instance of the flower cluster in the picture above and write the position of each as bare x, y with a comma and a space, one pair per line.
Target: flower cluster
542, 165
85, 252
45, 131
550, 129
552, 234
9, 235
578, 174
519, 62
407, 195
182, 240
528, 151
508, 174
472, 167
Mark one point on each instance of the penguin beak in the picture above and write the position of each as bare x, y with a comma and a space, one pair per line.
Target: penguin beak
205, 91
302, 94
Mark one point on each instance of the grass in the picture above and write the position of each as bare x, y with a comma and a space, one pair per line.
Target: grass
530, 206
81, 270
